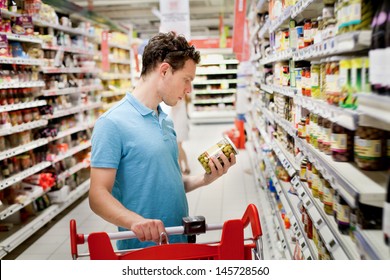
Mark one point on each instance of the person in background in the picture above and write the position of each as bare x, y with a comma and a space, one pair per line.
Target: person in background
180, 120
136, 181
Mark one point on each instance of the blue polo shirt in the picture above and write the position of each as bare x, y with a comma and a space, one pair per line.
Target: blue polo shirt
142, 147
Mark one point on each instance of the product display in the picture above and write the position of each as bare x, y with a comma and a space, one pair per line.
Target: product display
334, 138
50, 98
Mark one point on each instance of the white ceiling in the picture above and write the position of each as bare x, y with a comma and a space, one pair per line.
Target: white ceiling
204, 15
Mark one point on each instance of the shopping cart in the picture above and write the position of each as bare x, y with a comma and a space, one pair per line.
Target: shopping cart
233, 245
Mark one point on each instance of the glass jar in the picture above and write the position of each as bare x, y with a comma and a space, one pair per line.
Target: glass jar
309, 174
333, 91
320, 133
302, 128
224, 146
327, 132
328, 197
308, 81
315, 79
343, 215
307, 32
370, 148
304, 83
314, 131
308, 128
342, 143
315, 182
302, 172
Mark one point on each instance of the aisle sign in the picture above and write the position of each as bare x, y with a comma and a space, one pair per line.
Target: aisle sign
175, 16
105, 52
239, 27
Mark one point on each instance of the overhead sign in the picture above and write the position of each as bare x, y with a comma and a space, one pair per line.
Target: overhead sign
175, 16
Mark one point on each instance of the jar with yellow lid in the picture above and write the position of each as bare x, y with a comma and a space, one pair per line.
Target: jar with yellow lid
315, 79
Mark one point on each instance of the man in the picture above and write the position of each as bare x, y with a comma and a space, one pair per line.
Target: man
136, 181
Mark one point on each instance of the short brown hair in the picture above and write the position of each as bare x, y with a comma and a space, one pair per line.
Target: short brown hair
168, 47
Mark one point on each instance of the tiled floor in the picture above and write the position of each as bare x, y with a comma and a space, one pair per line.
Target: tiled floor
224, 199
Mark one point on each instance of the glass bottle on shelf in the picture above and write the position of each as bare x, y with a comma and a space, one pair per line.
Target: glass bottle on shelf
377, 51
343, 215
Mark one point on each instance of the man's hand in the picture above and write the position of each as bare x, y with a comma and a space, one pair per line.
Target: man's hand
149, 230
217, 170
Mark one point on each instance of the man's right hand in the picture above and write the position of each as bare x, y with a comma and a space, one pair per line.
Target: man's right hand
149, 230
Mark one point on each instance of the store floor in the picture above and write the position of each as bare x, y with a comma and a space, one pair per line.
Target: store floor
224, 199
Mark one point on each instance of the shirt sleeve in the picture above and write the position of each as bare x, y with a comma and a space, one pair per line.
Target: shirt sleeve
106, 144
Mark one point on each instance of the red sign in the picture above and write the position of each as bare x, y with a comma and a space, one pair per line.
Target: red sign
105, 52
210, 43
239, 27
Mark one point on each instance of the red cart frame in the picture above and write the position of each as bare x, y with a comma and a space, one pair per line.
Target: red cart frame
231, 247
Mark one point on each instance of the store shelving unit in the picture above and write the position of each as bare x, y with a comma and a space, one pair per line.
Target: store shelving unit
354, 185
72, 108
214, 89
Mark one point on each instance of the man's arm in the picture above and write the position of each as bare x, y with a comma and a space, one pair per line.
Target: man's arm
217, 170
104, 204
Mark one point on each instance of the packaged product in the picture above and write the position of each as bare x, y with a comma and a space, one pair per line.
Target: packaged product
224, 146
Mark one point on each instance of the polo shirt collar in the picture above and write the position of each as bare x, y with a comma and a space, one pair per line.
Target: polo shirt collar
142, 109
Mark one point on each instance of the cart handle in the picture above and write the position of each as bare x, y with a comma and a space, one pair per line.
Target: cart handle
251, 215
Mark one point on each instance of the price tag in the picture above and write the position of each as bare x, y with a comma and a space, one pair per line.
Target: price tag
301, 193
316, 217
329, 240
296, 182
307, 202
302, 243
306, 254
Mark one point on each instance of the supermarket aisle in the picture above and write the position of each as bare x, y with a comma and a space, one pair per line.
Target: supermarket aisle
224, 199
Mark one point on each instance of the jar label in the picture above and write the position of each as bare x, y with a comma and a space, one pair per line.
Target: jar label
315, 81
327, 197
367, 149
343, 213
214, 151
339, 142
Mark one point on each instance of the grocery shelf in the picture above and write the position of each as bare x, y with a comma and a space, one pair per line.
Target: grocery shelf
22, 127
367, 187
213, 101
21, 61
24, 174
375, 106
22, 105
214, 91
69, 49
212, 116
71, 152
70, 30
215, 71
287, 91
371, 242
20, 38
72, 90
69, 172
339, 44
18, 234
213, 82
23, 148
32, 84
73, 110
278, 56
345, 117
75, 129
218, 62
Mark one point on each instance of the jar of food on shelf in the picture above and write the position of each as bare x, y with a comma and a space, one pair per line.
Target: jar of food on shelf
330, 28
302, 129
307, 36
320, 133
314, 131
315, 79
309, 174
342, 143
327, 133
302, 172
315, 181
323, 79
321, 187
314, 31
300, 35
328, 197
298, 79
371, 144
307, 125
343, 215
25, 161
308, 81
332, 91
304, 83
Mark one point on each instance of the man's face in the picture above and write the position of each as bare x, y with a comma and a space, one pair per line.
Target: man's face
178, 84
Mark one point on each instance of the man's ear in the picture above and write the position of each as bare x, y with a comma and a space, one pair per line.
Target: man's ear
164, 67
